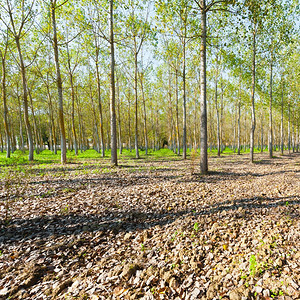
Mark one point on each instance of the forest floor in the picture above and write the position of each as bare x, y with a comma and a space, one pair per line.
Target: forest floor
151, 229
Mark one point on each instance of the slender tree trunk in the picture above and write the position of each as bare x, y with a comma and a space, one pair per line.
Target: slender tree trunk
221, 116
195, 146
270, 112
136, 102
95, 122
289, 127
298, 136
172, 129
21, 125
281, 123
156, 131
293, 132
129, 123
234, 127
217, 109
245, 131
239, 114
145, 115
51, 115
5, 110
13, 137
184, 102
119, 118
262, 133
25, 100
72, 103
63, 145
100, 102
35, 129
113, 125
177, 112
253, 122
1, 141
203, 116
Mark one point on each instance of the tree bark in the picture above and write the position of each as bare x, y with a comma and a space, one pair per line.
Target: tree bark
113, 125
72, 103
177, 112
281, 123
21, 146
203, 114
239, 115
253, 121
100, 103
270, 112
289, 126
136, 145
4, 98
119, 118
145, 114
262, 133
25, 100
35, 129
184, 101
217, 109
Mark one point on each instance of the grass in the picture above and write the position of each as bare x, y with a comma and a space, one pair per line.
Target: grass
48, 157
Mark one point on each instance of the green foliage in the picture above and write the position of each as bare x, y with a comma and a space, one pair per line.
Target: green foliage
253, 265
196, 226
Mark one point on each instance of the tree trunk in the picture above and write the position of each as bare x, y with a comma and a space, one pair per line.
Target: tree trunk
281, 123
221, 115
63, 145
262, 133
25, 100
245, 130
203, 115
5, 110
217, 109
239, 115
253, 122
129, 122
145, 115
293, 131
95, 121
119, 118
177, 113
195, 146
100, 103
234, 127
270, 112
184, 103
289, 127
136, 103
35, 130
72, 103
113, 125
21, 146
51, 115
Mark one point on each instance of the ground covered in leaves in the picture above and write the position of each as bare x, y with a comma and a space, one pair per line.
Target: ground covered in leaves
151, 229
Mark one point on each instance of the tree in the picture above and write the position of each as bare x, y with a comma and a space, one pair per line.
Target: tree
15, 21
138, 30
53, 7
204, 8
3, 54
113, 123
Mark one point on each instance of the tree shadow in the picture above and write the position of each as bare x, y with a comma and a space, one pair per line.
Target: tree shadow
134, 219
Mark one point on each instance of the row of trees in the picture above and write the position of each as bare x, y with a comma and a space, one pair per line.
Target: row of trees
184, 73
